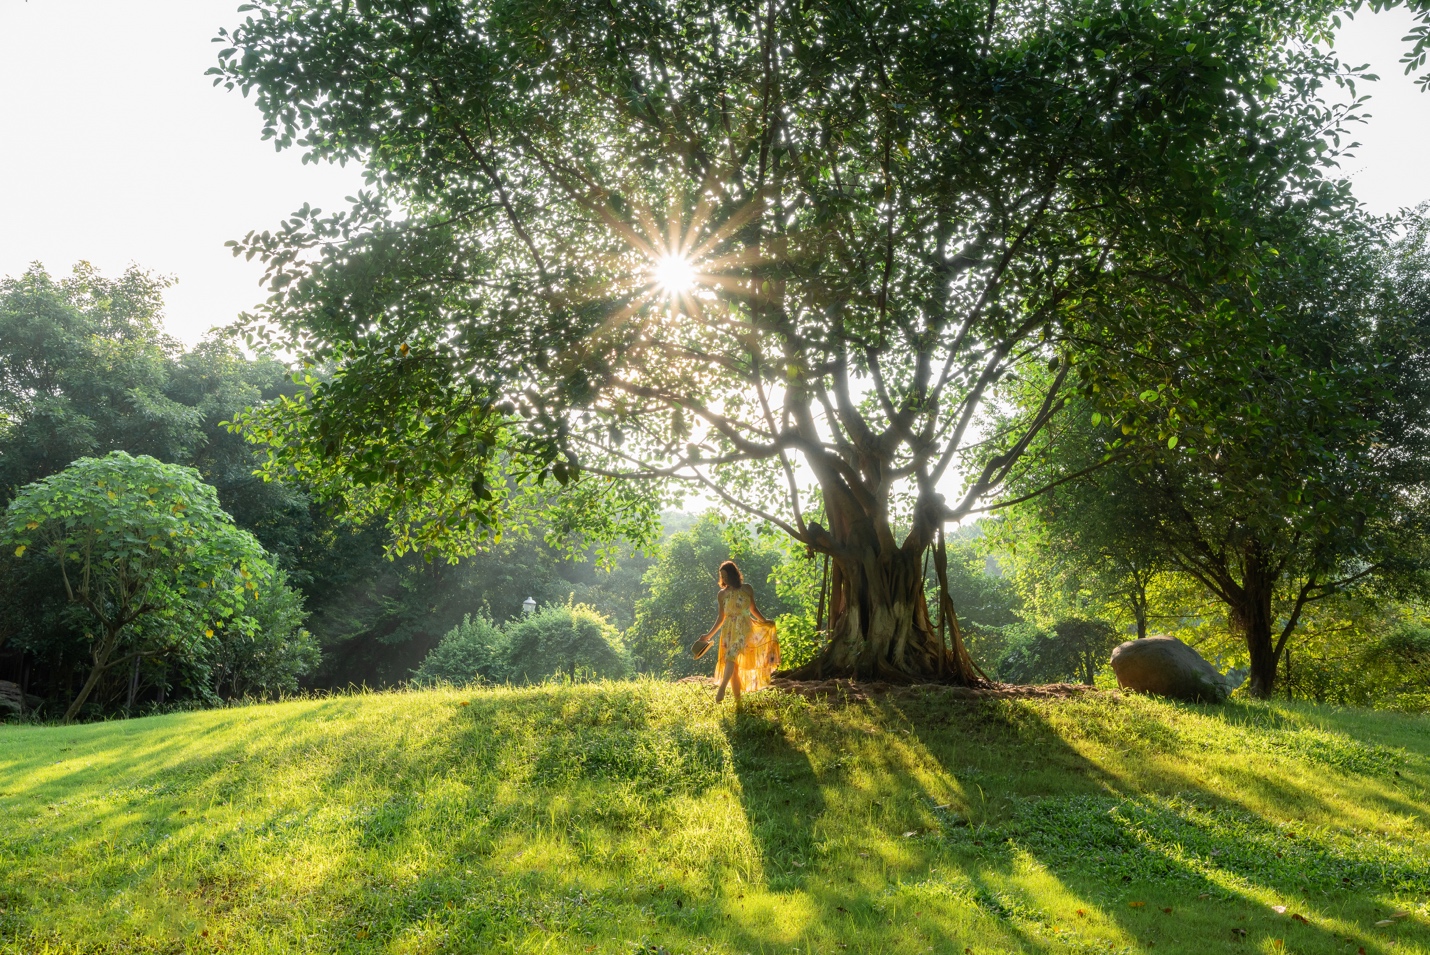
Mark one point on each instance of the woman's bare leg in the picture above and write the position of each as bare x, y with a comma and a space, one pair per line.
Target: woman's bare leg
735, 684
725, 682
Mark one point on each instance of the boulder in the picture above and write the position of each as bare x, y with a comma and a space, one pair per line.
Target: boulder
11, 699
1168, 667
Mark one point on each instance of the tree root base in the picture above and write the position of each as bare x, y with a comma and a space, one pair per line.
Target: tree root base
854, 691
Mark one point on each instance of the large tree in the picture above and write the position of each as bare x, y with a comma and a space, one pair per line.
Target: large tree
782, 253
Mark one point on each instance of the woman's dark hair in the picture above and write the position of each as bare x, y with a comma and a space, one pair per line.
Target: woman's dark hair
730, 574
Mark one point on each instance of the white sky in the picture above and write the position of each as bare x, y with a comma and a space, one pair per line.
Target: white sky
115, 148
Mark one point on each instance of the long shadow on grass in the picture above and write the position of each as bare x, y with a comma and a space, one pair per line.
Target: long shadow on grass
987, 807
780, 795
1140, 858
889, 822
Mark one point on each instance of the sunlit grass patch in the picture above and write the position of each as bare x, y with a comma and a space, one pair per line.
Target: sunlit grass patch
611, 817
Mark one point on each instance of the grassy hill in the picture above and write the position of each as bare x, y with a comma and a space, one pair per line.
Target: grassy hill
636, 817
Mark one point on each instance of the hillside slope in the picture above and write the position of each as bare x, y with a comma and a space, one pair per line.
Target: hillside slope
636, 817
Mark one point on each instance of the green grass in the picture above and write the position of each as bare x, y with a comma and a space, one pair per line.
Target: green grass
637, 817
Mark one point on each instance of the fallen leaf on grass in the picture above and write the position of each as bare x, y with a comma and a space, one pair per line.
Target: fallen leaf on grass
1205, 895
1136, 905
1277, 944
1300, 918
1279, 909
1081, 914
1402, 914
1168, 911
911, 832
1384, 922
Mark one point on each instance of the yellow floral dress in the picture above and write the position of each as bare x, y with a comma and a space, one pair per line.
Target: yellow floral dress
756, 648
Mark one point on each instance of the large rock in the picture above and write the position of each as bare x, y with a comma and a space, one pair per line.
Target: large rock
11, 699
1168, 667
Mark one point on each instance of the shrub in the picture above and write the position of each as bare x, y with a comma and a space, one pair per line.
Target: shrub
472, 651
575, 640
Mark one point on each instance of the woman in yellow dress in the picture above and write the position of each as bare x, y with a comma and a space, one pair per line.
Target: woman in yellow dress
749, 650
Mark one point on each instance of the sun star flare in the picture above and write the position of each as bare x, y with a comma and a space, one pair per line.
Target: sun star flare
674, 274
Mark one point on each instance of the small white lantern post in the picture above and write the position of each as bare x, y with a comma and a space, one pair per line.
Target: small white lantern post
528, 605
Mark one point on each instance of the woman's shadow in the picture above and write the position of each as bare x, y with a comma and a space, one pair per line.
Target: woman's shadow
780, 792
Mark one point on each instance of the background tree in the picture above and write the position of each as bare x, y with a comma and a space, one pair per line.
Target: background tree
143, 550
1075, 649
1083, 548
1286, 466
85, 369
778, 252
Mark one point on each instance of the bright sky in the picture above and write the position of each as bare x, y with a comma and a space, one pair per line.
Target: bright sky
115, 148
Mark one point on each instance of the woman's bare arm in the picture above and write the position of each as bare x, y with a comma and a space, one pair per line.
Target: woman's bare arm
754, 609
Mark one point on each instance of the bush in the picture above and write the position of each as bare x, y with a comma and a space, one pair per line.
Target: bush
472, 651
270, 658
575, 640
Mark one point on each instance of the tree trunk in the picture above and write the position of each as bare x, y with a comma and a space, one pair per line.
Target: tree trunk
1251, 615
84, 691
880, 624
133, 686
102, 653
1139, 611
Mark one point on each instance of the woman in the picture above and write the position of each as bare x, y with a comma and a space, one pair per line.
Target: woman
749, 650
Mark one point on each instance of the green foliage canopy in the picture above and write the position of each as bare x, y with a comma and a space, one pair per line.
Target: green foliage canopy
888, 210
